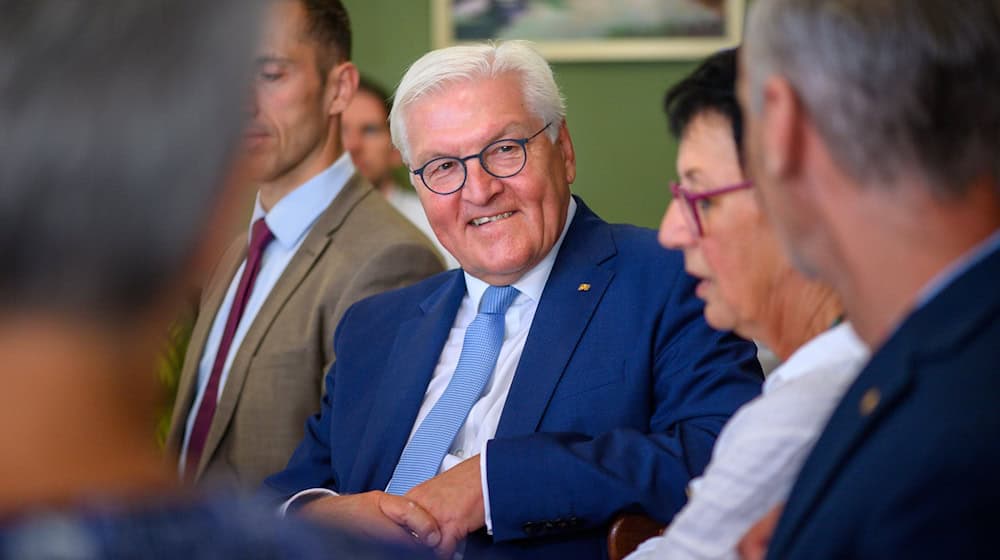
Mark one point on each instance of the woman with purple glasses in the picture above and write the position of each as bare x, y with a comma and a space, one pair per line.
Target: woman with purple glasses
749, 286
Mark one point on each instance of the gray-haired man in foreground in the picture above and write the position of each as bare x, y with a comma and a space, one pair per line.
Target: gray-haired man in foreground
109, 181
873, 133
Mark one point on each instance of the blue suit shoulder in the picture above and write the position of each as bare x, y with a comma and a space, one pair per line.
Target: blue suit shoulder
632, 249
639, 247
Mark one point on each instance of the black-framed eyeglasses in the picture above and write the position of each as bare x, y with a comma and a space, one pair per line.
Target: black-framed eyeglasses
502, 159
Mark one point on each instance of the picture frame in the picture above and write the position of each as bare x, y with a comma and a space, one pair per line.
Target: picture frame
595, 30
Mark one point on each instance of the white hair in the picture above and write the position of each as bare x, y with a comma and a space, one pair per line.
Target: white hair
436, 70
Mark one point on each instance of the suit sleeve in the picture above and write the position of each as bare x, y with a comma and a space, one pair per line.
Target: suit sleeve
310, 465
555, 483
393, 266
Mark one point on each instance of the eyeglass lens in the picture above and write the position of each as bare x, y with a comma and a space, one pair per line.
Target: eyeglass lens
501, 159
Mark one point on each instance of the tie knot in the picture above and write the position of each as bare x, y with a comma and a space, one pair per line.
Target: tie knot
260, 236
497, 299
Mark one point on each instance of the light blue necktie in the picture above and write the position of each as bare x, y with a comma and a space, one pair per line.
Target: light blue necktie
422, 456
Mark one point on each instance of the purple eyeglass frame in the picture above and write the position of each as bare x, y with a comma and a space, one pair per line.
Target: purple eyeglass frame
690, 198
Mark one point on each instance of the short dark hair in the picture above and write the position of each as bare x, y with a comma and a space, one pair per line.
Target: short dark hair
366, 85
329, 24
108, 174
711, 87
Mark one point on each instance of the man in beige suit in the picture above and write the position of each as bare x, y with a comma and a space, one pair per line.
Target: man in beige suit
321, 239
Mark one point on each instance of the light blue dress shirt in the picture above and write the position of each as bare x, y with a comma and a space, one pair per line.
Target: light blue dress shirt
290, 220
959, 267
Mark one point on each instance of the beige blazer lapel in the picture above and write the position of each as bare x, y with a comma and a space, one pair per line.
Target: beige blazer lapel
211, 301
298, 268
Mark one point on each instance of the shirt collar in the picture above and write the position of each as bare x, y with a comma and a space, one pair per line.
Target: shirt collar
957, 268
532, 282
830, 349
296, 212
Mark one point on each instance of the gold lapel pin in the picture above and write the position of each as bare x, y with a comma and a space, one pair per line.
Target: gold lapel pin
869, 401
583, 287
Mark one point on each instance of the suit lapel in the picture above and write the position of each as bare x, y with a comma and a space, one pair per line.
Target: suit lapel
940, 327
879, 387
211, 301
408, 371
298, 268
562, 317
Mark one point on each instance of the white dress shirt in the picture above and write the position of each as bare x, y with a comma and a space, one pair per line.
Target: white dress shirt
759, 453
481, 424
290, 220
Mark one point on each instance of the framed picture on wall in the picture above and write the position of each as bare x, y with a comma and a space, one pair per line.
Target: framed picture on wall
589, 30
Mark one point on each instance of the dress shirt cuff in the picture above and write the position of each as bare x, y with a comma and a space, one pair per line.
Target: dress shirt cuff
302, 498
486, 491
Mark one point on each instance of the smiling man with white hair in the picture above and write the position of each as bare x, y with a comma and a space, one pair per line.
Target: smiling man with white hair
564, 375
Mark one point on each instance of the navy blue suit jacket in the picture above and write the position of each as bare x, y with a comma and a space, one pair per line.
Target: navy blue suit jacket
909, 464
615, 404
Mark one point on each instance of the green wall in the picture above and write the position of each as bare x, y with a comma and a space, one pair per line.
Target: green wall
625, 157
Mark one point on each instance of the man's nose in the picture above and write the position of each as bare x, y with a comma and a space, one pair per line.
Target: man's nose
480, 187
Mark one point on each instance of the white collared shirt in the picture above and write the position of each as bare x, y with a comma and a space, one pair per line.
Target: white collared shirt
481, 424
290, 220
760, 451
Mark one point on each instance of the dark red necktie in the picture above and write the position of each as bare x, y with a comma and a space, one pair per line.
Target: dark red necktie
259, 239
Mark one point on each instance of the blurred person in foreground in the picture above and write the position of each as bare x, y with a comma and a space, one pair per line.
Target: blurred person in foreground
367, 138
112, 197
749, 286
873, 133
563, 375
320, 239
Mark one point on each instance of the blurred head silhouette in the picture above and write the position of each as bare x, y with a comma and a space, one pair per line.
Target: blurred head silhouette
119, 123
872, 128
366, 135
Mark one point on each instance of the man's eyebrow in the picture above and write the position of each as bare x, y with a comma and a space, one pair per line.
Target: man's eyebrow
272, 59
502, 134
508, 131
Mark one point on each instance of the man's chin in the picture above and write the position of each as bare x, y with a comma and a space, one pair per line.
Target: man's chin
258, 167
719, 319
501, 272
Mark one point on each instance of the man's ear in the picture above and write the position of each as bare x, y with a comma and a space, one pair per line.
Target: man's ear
341, 84
783, 118
565, 145
395, 158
